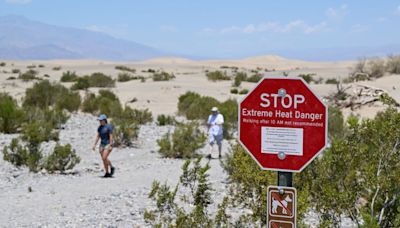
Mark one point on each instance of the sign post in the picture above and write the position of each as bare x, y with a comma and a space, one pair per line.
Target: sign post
283, 125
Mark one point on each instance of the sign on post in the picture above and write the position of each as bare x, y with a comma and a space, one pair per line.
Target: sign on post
283, 124
281, 207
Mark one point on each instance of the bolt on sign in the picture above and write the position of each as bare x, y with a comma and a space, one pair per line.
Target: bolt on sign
283, 124
281, 207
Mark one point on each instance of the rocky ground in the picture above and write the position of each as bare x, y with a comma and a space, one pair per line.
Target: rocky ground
82, 198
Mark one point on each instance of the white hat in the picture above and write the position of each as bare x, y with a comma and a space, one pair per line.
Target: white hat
214, 109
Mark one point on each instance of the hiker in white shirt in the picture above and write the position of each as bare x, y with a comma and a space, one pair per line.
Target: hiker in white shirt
215, 130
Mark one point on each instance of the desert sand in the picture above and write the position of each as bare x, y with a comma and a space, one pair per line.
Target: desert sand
84, 199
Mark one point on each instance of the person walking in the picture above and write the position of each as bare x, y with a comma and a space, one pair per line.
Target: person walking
105, 133
215, 131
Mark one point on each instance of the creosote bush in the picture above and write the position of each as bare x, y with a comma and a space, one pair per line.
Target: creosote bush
183, 142
163, 120
162, 76
69, 76
307, 77
255, 78
393, 64
168, 213
63, 158
125, 68
97, 79
239, 77
217, 76
11, 116
28, 75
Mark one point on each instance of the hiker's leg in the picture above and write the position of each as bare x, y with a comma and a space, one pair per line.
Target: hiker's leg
219, 143
106, 153
105, 163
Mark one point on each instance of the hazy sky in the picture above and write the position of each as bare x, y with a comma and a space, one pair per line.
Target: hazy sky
222, 28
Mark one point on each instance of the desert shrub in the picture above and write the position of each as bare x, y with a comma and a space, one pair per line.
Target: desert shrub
15, 71
229, 109
255, 78
183, 142
195, 183
100, 80
124, 77
365, 163
28, 75
41, 66
163, 120
11, 116
239, 77
307, 77
336, 124
163, 76
125, 132
331, 81
11, 78
217, 76
44, 94
2, 64
57, 68
376, 68
38, 131
20, 155
243, 91
360, 66
125, 68
69, 76
81, 83
139, 116
393, 64
31, 66
234, 91
61, 159
186, 100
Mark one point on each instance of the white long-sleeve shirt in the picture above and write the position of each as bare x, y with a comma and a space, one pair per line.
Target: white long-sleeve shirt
215, 122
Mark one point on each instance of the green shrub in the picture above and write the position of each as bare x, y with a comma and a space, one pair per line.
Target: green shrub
11, 78
19, 155
28, 75
11, 116
105, 102
125, 132
183, 142
89, 103
38, 131
41, 66
195, 184
186, 100
2, 64
31, 66
69, 76
239, 77
163, 76
229, 109
57, 68
139, 116
15, 71
44, 94
163, 120
255, 78
54, 117
331, 81
125, 68
217, 76
234, 91
101, 80
393, 64
63, 158
81, 83
243, 91
307, 77
124, 77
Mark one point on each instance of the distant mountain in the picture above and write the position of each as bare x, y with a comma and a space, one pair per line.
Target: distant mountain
23, 39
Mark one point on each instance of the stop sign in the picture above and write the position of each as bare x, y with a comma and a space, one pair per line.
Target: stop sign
283, 124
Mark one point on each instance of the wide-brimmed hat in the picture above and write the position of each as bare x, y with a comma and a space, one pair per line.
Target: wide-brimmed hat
102, 117
214, 109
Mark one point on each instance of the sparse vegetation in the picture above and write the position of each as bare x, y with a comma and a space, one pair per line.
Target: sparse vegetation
125, 68
124, 77
41, 66
69, 76
94, 80
331, 81
239, 77
163, 120
2, 64
244, 91
15, 71
234, 91
28, 75
307, 77
163, 76
31, 66
11, 116
255, 78
57, 68
183, 142
11, 78
63, 158
217, 76
393, 64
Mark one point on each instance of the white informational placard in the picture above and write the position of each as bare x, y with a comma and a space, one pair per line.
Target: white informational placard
280, 139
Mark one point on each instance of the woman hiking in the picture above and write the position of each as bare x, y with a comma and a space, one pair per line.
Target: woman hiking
104, 132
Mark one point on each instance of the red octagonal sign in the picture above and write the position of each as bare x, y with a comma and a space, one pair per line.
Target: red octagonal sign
283, 124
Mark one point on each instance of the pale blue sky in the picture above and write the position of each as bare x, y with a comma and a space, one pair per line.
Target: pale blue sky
226, 29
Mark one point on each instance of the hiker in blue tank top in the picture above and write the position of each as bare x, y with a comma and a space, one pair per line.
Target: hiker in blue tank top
105, 134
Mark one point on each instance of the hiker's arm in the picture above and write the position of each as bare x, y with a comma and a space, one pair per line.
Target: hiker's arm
95, 142
111, 140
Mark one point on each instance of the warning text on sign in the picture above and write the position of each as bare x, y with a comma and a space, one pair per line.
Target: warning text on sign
279, 139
